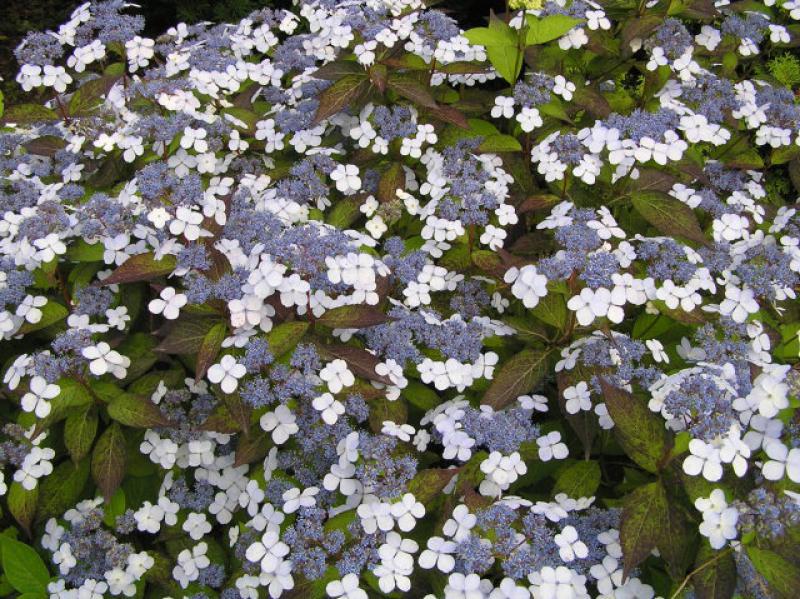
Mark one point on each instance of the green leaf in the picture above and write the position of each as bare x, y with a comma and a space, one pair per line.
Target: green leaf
252, 448
642, 517
22, 504
783, 576
343, 93
47, 145
344, 213
360, 361
24, 567
186, 335
337, 69
221, 421
487, 261
516, 377
547, 29
381, 409
81, 251
428, 484
142, 267
108, 460
89, 96
140, 348
26, 114
640, 432
581, 479
420, 396
241, 116
717, 579
353, 317
209, 348
114, 509
499, 143
79, 433
669, 215
676, 539
284, 337
502, 47
393, 179
411, 89
133, 410
52, 312
552, 310
238, 410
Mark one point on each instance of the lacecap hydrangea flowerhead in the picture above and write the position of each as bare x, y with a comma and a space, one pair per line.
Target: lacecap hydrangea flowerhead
346, 301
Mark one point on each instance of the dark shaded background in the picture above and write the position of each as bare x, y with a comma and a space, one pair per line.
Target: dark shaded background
17, 17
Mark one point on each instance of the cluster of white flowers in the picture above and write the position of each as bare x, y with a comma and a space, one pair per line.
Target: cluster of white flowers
309, 294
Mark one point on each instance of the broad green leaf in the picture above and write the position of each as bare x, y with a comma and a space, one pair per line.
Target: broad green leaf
410, 88
24, 567
137, 411
108, 460
337, 69
114, 509
241, 116
79, 433
783, 576
494, 144
428, 484
676, 538
186, 335
502, 47
26, 114
391, 180
538, 202
581, 479
252, 448
52, 312
487, 261
221, 421
209, 348
546, 29
642, 518
89, 96
22, 504
552, 310
420, 396
47, 145
516, 377
360, 361
717, 578
81, 251
343, 93
669, 215
344, 213
284, 337
239, 411
140, 348
353, 317
382, 410
142, 267
640, 432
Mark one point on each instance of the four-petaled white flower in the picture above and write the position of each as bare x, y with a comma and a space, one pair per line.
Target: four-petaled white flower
37, 400
227, 373
337, 375
103, 359
169, 303
346, 178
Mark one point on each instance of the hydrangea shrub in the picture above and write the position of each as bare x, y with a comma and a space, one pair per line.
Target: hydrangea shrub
349, 302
